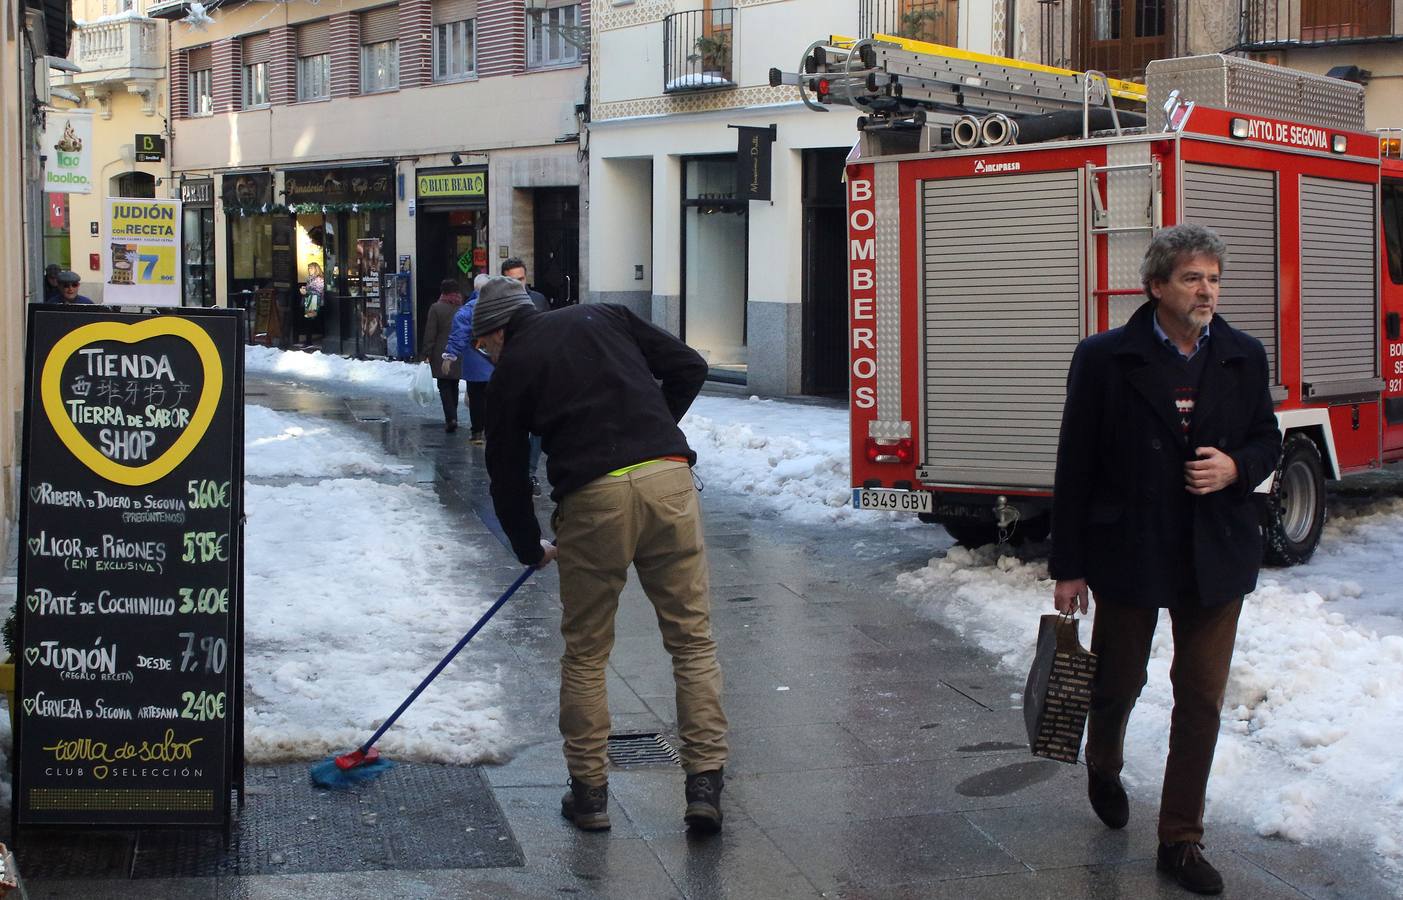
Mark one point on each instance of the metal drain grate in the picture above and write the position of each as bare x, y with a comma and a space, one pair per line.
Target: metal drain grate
644, 749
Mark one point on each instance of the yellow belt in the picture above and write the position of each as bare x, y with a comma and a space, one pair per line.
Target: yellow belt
647, 462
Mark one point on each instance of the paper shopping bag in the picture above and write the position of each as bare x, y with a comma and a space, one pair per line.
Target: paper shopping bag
1058, 693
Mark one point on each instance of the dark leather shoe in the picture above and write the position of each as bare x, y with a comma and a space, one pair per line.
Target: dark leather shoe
586, 805
1107, 798
703, 813
1185, 863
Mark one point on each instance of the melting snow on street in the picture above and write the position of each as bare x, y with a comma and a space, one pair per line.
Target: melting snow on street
1311, 727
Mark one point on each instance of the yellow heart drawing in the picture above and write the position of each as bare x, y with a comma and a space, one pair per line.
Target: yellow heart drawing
87, 454
99, 772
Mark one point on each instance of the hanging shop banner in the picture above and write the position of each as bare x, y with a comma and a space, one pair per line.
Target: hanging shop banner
68, 151
128, 639
150, 147
141, 252
247, 193
459, 187
753, 154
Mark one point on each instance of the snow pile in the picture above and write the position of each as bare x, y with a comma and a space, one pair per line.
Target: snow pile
381, 374
1312, 719
344, 617
792, 457
278, 444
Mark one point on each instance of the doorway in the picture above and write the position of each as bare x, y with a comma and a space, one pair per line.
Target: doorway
452, 243
825, 293
557, 245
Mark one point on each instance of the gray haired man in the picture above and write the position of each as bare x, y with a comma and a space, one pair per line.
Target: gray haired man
1167, 428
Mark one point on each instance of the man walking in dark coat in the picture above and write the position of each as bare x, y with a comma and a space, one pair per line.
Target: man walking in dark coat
605, 391
1167, 429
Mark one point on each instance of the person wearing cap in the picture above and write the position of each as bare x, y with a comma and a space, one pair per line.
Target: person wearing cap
68, 283
605, 391
51, 291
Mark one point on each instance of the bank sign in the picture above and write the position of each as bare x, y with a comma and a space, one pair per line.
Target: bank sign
140, 257
68, 152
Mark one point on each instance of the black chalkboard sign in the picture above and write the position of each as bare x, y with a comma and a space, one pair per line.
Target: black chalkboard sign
129, 610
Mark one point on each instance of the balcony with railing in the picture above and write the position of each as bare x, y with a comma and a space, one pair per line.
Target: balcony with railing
1280, 24
118, 50
698, 50
935, 21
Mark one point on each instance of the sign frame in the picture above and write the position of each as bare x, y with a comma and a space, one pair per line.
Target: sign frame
147, 271
62, 129
223, 329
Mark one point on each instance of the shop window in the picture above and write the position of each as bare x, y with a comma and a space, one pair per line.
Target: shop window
454, 51
255, 85
134, 184
201, 93
553, 36
379, 67
715, 238
314, 77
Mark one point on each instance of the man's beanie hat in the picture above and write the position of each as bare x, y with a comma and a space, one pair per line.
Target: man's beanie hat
68, 276
497, 301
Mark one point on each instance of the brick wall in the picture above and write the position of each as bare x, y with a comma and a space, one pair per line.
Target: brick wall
345, 55
178, 91
416, 55
501, 28
282, 68
228, 74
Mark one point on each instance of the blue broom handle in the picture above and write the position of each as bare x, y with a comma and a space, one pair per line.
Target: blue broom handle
520, 580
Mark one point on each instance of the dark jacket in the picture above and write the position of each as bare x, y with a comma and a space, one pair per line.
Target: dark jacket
586, 379
1120, 518
438, 324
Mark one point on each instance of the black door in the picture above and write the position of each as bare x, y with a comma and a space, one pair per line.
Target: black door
557, 248
825, 274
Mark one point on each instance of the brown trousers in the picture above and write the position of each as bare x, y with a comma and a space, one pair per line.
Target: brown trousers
1203, 647
650, 518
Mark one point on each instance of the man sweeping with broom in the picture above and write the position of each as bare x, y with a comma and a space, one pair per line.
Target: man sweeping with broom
605, 391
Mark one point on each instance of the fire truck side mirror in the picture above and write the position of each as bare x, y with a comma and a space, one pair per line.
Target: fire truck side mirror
1391, 326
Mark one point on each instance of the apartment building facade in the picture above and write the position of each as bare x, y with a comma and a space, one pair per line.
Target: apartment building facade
120, 53
433, 138
1361, 40
757, 286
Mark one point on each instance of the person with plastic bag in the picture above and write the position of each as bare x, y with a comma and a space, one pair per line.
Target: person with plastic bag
475, 367
438, 324
1167, 428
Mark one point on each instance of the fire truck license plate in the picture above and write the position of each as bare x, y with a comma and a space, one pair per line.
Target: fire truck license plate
900, 501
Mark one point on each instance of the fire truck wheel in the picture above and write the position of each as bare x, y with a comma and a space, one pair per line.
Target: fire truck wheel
1294, 512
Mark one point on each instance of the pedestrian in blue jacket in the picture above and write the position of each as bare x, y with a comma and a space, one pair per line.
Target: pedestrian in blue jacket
477, 369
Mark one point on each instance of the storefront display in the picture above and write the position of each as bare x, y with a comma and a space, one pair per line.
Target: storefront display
452, 229
197, 235
248, 217
344, 227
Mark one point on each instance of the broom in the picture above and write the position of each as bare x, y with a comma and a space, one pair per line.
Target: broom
365, 762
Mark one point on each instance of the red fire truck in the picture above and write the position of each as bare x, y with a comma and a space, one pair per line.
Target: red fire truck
998, 212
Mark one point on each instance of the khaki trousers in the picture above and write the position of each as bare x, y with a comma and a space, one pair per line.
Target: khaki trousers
1203, 646
650, 518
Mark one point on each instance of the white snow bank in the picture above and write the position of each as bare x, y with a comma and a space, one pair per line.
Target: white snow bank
354, 591
1312, 722
793, 457
281, 444
315, 366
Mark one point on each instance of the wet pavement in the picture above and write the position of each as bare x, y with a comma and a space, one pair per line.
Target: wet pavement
875, 754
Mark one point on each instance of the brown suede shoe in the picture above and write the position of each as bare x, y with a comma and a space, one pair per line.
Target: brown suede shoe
1184, 862
1107, 798
586, 805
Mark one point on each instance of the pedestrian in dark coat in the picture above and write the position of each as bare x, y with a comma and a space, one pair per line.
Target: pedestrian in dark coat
1167, 429
476, 368
438, 324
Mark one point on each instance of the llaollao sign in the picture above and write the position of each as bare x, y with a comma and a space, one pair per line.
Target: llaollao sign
68, 151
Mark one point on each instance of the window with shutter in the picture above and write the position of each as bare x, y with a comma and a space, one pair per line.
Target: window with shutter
314, 38
378, 26
455, 43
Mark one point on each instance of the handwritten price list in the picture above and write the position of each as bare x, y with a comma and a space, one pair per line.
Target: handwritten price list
128, 637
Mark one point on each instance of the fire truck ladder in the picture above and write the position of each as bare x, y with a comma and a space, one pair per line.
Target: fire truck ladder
974, 98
